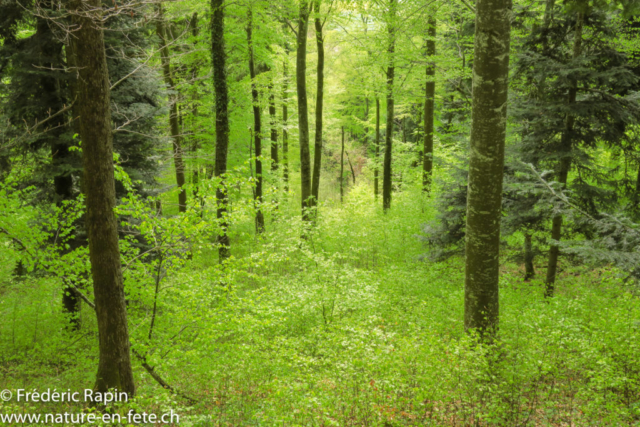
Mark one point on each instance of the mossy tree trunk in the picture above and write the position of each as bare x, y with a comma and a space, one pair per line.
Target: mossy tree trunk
174, 119
222, 123
488, 130
114, 366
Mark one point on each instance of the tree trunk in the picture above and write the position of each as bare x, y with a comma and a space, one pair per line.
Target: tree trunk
342, 168
377, 153
386, 172
257, 130
564, 166
114, 367
529, 271
365, 140
484, 200
176, 132
222, 123
303, 111
274, 131
317, 154
429, 108
285, 117
50, 47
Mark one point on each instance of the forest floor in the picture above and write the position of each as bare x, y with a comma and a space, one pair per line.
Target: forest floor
352, 327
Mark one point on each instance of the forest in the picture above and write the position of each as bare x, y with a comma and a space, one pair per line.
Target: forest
320, 212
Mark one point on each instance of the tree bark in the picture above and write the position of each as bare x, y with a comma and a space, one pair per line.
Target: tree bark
317, 154
176, 132
564, 166
114, 367
51, 49
285, 117
484, 200
377, 153
274, 131
429, 108
303, 111
386, 172
529, 271
257, 129
222, 123
342, 168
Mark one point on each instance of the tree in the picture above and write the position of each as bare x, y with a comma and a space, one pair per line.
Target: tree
303, 111
257, 129
218, 56
285, 118
429, 107
114, 368
564, 164
176, 132
488, 132
317, 153
377, 150
386, 170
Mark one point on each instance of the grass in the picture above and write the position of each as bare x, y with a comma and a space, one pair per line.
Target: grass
351, 327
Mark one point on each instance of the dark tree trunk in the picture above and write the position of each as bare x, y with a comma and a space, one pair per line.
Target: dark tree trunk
51, 49
114, 367
429, 108
317, 154
365, 139
257, 130
342, 168
386, 172
303, 111
285, 117
488, 130
274, 131
222, 123
377, 153
564, 166
636, 196
174, 123
529, 271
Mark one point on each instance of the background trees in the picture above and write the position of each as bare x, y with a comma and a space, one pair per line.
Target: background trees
251, 310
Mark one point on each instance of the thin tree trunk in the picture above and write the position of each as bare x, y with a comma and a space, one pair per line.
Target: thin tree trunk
488, 130
429, 108
386, 172
342, 168
274, 131
529, 271
303, 111
257, 130
377, 153
114, 366
285, 117
176, 132
564, 166
222, 123
353, 172
366, 120
317, 154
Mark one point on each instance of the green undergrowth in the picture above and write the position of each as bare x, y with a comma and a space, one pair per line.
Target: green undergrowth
351, 326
